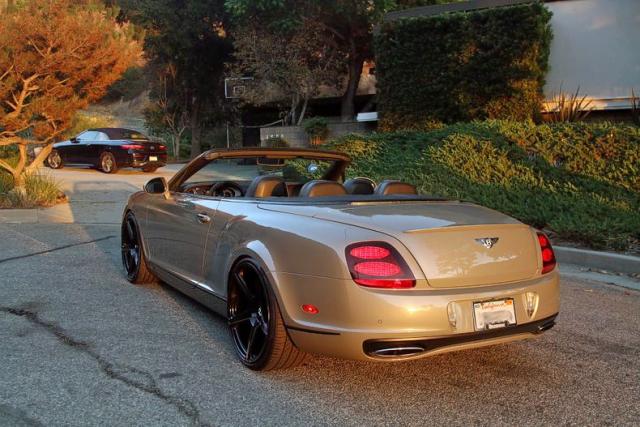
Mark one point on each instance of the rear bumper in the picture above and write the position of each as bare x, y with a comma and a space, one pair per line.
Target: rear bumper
403, 348
143, 160
356, 323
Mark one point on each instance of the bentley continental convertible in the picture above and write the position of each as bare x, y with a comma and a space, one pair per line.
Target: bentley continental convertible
299, 260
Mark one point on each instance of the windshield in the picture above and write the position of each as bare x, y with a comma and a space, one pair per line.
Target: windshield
296, 169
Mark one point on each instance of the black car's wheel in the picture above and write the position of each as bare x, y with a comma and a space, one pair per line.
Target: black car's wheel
258, 332
133, 259
108, 163
54, 161
149, 169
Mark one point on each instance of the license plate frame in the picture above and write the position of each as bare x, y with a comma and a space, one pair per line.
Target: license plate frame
494, 314
153, 158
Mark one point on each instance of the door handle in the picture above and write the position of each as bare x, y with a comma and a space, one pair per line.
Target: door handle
203, 218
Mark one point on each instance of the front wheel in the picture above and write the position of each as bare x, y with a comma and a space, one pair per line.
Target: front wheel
133, 259
259, 336
108, 163
54, 160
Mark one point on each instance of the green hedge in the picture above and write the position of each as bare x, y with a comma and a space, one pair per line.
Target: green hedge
487, 64
580, 181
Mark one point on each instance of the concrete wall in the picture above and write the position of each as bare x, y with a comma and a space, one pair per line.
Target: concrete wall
296, 136
596, 46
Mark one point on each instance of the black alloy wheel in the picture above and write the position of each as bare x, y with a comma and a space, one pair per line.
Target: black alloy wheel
259, 336
133, 259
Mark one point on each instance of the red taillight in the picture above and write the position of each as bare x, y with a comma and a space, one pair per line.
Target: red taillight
548, 257
133, 147
162, 147
369, 252
378, 265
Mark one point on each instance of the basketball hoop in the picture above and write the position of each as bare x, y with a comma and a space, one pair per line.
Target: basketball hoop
235, 87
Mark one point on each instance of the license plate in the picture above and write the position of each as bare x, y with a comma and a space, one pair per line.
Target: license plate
494, 314
153, 158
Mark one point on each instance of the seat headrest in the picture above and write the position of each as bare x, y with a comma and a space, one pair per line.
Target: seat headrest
267, 186
359, 186
319, 188
389, 187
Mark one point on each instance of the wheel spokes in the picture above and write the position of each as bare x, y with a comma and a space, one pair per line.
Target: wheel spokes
251, 340
244, 288
239, 318
130, 232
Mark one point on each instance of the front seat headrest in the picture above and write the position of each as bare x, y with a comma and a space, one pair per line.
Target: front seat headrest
389, 187
319, 188
267, 186
359, 186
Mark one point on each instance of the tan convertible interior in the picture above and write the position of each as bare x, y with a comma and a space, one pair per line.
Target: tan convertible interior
274, 186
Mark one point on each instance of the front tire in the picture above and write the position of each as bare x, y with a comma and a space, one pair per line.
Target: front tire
133, 259
108, 163
54, 160
255, 322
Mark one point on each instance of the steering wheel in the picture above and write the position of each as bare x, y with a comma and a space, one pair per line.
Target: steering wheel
225, 189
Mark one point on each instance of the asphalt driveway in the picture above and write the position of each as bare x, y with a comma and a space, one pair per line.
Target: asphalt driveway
79, 345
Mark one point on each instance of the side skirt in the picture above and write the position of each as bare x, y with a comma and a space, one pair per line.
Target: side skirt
192, 290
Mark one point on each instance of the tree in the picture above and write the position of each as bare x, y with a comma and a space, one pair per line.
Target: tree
187, 38
169, 112
55, 58
290, 63
348, 23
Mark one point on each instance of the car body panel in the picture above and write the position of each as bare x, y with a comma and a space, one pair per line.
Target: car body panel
300, 246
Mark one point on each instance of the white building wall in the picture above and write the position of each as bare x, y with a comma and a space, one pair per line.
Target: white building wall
596, 46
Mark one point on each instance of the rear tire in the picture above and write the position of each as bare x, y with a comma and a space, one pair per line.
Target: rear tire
108, 163
54, 160
149, 169
133, 259
260, 338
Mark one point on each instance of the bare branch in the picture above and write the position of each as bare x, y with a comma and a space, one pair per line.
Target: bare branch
6, 73
7, 167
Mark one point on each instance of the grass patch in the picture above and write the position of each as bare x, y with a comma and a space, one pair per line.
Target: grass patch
579, 181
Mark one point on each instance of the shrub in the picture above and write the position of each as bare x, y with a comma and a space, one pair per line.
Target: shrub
579, 181
41, 190
317, 128
132, 84
462, 66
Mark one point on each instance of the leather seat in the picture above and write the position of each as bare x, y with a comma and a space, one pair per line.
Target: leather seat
361, 186
267, 186
320, 188
390, 187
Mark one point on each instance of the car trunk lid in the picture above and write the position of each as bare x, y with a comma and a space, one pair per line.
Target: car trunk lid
445, 238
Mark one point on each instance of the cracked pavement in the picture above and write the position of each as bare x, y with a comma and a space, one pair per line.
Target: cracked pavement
79, 345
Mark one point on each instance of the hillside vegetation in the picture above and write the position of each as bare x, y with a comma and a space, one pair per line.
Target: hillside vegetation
579, 181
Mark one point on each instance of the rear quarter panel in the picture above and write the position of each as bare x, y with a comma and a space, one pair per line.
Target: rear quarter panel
284, 244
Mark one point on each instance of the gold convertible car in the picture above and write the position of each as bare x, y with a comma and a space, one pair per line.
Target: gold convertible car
301, 261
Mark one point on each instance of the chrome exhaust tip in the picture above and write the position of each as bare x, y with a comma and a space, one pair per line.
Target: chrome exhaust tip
394, 352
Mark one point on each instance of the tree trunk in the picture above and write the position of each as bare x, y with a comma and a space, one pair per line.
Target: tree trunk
347, 108
19, 181
304, 110
196, 131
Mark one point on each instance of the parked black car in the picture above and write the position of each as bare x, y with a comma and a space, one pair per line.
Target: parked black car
109, 149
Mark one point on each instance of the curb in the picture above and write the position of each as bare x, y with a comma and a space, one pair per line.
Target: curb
609, 261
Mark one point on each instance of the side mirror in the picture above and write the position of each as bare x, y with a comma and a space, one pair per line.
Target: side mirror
157, 186
74, 140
